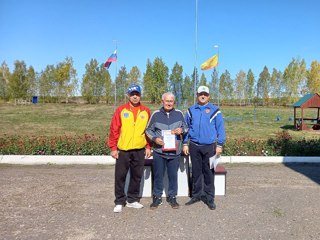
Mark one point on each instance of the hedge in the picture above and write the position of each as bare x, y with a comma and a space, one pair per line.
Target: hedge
89, 144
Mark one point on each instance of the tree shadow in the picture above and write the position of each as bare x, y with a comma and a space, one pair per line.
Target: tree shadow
288, 127
310, 170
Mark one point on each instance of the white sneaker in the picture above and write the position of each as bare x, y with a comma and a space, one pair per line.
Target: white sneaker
134, 205
117, 208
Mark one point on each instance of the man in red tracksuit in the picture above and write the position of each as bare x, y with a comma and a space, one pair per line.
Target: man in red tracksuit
128, 144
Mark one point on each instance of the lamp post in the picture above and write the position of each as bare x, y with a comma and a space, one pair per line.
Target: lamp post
218, 82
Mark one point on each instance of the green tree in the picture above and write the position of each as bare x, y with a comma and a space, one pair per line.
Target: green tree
121, 85
176, 80
156, 80
148, 82
203, 80
160, 78
313, 77
4, 81
108, 86
294, 76
65, 80
214, 86
263, 86
195, 82
46, 83
33, 82
187, 90
240, 86
275, 86
18, 81
250, 86
225, 88
134, 76
93, 82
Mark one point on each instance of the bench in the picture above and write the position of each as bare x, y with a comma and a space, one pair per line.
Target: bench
184, 179
220, 181
146, 180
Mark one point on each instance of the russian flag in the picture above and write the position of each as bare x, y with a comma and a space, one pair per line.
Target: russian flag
111, 59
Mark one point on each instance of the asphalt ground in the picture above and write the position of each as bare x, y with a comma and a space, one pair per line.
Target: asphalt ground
266, 201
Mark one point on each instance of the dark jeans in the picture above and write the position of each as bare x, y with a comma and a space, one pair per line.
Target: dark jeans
132, 160
160, 164
202, 175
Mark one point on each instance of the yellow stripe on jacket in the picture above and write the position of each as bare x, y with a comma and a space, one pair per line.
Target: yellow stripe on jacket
132, 135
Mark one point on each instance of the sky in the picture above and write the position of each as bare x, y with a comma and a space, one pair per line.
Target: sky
250, 34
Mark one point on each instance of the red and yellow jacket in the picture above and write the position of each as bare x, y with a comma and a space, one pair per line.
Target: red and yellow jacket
125, 133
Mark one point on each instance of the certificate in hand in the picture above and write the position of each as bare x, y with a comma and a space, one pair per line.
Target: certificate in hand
169, 140
213, 161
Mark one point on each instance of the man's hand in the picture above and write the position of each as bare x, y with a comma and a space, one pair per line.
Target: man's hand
177, 131
148, 153
159, 141
114, 154
185, 150
218, 150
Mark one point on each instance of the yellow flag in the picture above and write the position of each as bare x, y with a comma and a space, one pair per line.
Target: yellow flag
210, 63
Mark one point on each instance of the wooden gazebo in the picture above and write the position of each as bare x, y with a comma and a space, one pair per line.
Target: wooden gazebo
301, 122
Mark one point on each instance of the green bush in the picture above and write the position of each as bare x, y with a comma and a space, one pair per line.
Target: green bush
62, 145
89, 144
282, 145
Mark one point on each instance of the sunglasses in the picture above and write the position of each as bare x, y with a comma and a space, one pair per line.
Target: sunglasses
203, 93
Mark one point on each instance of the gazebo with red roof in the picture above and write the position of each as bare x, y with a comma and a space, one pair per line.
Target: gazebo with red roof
311, 100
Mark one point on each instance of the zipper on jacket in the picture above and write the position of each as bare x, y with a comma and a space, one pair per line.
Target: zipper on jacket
199, 125
134, 127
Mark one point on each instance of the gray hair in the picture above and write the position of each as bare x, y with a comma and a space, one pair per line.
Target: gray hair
168, 94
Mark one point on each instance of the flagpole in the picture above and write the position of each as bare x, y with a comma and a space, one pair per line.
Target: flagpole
218, 80
115, 78
195, 55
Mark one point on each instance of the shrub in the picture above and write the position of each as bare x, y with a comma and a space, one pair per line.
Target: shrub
282, 145
61, 145
89, 144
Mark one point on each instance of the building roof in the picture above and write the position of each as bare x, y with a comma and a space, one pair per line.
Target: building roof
309, 100
303, 100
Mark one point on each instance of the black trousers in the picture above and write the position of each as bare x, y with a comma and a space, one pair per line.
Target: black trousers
202, 175
133, 161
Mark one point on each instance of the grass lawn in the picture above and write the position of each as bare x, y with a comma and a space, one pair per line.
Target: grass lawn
80, 119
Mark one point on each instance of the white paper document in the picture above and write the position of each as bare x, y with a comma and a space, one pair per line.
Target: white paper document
169, 140
214, 161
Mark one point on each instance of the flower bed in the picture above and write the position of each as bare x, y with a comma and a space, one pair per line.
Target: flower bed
89, 144
61, 145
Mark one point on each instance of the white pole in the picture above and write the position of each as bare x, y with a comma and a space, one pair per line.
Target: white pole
218, 81
115, 78
195, 55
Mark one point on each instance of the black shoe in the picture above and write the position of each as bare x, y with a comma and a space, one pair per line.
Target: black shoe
173, 202
204, 199
156, 202
211, 205
192, 201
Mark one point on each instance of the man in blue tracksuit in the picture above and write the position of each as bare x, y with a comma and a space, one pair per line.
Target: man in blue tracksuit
170, 121
205, 138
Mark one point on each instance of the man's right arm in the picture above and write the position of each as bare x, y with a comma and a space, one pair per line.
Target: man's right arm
150, 130
185, 148
114, 134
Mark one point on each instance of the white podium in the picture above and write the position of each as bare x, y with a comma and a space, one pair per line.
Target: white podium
183, 184
183, 180
145, 184
220, 181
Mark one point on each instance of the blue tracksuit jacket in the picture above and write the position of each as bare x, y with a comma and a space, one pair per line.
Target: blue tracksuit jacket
205, 126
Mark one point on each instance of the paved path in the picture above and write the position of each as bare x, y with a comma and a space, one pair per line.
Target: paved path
270, 201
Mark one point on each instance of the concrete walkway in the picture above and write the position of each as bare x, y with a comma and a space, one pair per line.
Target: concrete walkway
264, 201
